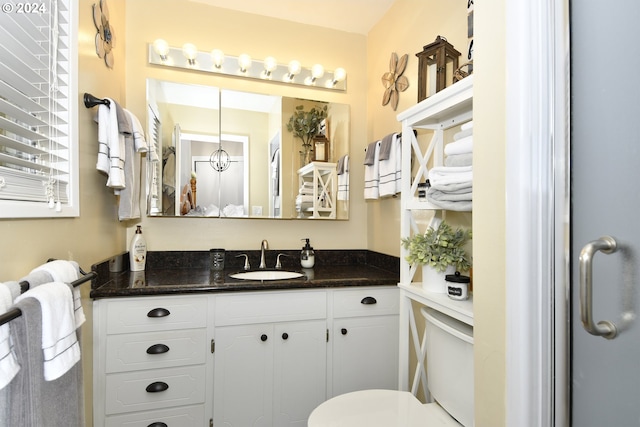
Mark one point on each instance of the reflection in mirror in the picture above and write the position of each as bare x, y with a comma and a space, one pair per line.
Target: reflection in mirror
224, 153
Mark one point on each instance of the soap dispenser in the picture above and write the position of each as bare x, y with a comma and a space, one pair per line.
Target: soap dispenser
138, 251
307, 256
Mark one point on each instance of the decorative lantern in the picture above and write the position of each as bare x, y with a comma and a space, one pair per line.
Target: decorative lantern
436, 65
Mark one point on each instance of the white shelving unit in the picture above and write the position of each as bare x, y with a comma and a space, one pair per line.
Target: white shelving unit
324, 181
446, 109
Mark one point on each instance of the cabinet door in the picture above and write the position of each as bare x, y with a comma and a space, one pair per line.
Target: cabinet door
243, 376
300, 370
365, 353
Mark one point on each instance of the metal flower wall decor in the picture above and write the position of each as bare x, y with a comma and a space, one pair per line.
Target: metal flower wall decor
393, 80
105, 39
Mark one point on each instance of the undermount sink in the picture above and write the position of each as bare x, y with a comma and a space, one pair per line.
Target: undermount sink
266, 275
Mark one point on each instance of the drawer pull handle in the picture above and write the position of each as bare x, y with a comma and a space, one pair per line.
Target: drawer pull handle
263, 337
157, 386
157, 424
344, 331
158, 312
158, 349
285, 336
368, 300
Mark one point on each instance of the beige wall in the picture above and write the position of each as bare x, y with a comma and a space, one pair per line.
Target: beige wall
237, 33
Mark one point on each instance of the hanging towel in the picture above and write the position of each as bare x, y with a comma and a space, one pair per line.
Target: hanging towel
59, 341
32, 401
9, 366
369, 156
61, 271
111, 145
129, 201
343, 178
139, 141
391, 169
386, 145
372, 172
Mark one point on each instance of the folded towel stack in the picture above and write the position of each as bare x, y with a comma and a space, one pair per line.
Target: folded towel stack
452, 184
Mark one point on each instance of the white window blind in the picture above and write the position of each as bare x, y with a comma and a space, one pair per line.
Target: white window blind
38, 109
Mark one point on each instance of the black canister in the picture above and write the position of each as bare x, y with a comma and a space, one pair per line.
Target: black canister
457, 286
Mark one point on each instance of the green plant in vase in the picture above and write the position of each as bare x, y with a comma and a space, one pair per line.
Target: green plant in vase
439, 248
306, 125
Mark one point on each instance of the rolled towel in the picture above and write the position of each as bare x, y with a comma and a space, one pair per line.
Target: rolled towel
462, 146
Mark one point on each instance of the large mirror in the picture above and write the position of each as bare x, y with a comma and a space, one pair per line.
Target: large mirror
229, 154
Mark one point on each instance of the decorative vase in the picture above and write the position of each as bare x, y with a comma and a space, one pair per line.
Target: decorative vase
434, 280
306, 156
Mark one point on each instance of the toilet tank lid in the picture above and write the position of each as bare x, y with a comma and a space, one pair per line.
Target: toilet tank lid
448, 324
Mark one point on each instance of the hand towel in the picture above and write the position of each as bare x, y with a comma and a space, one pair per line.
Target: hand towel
9, 366
386, 144
390, 170
111, 146
139, 141
129, 201
369, 156
61, 271
343, 178
14, 288
59, 341
372, 174
32, 401
462, 146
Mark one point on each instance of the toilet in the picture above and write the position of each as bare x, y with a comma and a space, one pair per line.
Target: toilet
450, 381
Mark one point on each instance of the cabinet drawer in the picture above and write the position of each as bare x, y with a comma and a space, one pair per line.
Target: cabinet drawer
267, 307
151, 350
127, 392
175, 417
155, 314
365, 302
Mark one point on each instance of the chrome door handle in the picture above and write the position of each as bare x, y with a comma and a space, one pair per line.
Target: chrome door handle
604, 328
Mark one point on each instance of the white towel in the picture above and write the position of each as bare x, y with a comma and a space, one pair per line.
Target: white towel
343, 179
390, 170
372, 173
59, 341
468, 125
111, 156
139, 141
446, 178
65, 271
461, 146
129, 201
9, 366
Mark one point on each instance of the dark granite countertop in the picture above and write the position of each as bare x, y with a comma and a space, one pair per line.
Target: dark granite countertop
183, 272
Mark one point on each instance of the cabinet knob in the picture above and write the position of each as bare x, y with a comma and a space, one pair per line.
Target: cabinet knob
158, 312
263, 337
368, 300
343, 331
157, 387
285, 336
157, 424
158, 349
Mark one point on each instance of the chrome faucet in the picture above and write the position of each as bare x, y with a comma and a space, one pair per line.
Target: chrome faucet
263, 246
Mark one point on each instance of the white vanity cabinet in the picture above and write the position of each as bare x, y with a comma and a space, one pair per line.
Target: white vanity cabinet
270, 358
150, 362
364, 339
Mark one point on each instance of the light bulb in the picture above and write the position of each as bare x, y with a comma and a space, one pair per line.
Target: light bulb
270, 64
339, 75
217, 56
190, 51
294, 68
161, 47
244, 61
317, 71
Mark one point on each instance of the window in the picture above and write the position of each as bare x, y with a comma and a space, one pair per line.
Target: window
38, 109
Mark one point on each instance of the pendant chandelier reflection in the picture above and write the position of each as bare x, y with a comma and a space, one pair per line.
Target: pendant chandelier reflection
219, 160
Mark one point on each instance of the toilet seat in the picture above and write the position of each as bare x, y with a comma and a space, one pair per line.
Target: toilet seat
379, 408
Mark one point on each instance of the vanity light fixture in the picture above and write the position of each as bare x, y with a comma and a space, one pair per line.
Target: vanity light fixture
217, 56
215, 61
244, 61
190, 51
